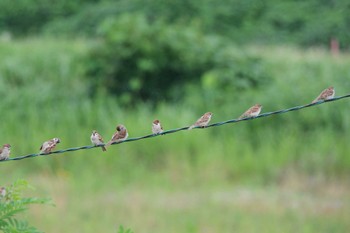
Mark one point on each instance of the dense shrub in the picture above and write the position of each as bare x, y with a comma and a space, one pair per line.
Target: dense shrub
139, 59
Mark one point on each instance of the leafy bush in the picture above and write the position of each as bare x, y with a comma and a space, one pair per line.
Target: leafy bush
12, 203
139, 59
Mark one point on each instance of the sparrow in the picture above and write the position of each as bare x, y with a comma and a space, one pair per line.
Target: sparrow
120, 135
157, 127
325, 94
48, 146
252, 112
97, 140
203, 121
2, 192
5, 152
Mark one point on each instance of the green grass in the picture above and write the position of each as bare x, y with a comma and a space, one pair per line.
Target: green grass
277, 174
182, 208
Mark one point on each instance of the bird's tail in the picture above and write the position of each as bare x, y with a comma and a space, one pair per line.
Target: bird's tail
314, 101
103, 148
191, 127
42, 151
108, 144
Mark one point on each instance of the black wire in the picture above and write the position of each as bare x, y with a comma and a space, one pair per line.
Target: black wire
183, 128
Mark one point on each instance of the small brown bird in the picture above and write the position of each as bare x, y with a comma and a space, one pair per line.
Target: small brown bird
97, 139
120, 135
325, 95
252, 112
203, 121
157, 127
48, 146
5, 152
2, 192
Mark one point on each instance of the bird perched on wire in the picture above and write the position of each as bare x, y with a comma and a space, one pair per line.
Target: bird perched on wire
325, 94
5, 152
252, 112
120, 135
203, 121
48, 146
97, 140
157, 127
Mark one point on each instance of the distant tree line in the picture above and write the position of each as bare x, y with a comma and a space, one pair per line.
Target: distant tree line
149, 50
306, 23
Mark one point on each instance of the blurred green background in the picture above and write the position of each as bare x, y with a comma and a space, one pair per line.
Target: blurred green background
68, 67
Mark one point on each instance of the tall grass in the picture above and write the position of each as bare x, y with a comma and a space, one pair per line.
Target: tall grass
44, 95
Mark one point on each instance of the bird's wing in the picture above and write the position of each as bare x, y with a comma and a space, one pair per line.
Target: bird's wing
100, 138
115, 136
201, 120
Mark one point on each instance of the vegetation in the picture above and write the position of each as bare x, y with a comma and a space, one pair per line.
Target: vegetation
12, 203
306, 23
47, 96
67, 68
159, 59
28, 17
122, 230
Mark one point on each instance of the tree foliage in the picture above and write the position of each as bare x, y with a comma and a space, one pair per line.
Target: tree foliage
29, 16
310, 22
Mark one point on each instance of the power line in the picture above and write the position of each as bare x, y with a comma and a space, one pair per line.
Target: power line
296, 108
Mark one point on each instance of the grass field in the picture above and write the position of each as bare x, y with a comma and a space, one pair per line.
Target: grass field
283, 173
